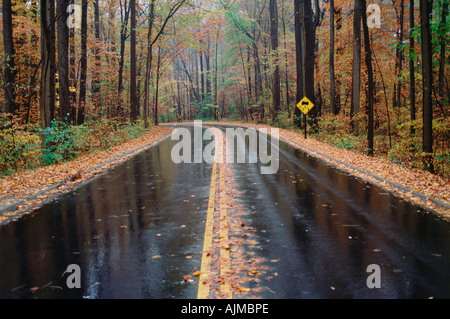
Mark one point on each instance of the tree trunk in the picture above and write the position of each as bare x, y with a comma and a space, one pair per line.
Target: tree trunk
276, 90
208, 74
202, 76
356, 74
158, 76
333, 108
412, 59
288, 97
309, 58
427, 69
123, 36
398, 60
148, 69
133, 65
65, 112
9, 68
400, 56
72, 75
370, 94
96, 77
47, 91
298, 8
83, 64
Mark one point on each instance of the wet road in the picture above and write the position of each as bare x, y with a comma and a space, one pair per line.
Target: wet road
138, 230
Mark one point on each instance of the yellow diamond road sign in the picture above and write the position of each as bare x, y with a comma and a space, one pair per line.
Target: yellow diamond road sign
305, 105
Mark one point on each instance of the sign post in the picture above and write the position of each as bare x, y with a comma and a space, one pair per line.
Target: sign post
305, 106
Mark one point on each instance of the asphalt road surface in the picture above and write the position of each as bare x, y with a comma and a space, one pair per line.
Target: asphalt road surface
138, 230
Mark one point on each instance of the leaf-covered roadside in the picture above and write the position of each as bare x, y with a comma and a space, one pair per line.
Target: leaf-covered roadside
18, 188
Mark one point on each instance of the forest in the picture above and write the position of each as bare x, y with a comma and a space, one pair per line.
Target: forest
78, 76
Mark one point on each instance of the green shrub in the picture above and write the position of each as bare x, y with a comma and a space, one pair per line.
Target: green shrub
61, 142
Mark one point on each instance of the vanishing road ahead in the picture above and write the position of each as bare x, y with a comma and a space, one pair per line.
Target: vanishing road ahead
308, 231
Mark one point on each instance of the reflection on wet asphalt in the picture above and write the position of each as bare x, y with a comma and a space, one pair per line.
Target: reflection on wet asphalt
325, 228
138, 230
134, 232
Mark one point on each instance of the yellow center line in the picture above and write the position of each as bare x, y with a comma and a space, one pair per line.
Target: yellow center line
205, 270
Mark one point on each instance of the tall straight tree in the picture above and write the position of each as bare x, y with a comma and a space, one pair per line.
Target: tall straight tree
125, 14
133, 84
333, 108
427, 69
63, 61
96, 94
72, 74
47, 87
9, 69
356, 70
298, 8
276, 89
399, 59
412, 77
370, 89
309, 57
83, 64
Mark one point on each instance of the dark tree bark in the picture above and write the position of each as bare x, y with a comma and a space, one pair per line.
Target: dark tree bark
276, 89
309, 58
72, 75
288, 96
412, 58
65, 113
298, 8
47, 90
333, 108
133, 64
427, 69
356, 74
208, 74
96, 94
202, 76
125, 13
396, 100
83, 64
9, 68
370, 91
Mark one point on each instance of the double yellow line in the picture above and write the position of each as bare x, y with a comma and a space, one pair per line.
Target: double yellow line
204, 288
